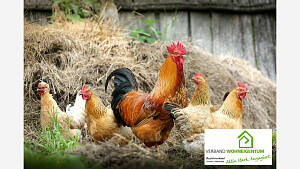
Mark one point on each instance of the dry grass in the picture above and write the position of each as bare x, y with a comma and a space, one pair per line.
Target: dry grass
67, 55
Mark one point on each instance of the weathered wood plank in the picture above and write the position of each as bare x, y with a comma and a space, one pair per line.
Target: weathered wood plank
272, 18
222, 34
177, 26
237, 37
232, 35
28, 16
38, 4
40, 17
242, 5
133, 21
45, 18
264, 46
222, 3
200, 30
130, 20
247, 39
229, 5
242, 38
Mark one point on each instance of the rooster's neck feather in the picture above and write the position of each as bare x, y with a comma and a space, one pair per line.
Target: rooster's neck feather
169, 81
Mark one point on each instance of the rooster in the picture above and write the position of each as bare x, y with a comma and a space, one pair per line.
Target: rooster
197, 116
50, 109
101, 122
144, 112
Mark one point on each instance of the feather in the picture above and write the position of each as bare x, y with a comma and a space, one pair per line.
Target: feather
170, 107
124, 82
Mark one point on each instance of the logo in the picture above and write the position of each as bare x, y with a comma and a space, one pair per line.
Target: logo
238, 147
245, 140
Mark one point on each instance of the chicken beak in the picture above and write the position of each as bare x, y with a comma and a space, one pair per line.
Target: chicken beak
184, 56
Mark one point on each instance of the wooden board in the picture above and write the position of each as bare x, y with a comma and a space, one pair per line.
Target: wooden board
243, 45
272, 18
264, 45
222, 26
129, 20
231, 34
38, 4
133, 21
177, 26
228, 5
237, 37
200, 30
40, 17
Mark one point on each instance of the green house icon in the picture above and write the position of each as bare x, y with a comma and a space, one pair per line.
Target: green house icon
245, 140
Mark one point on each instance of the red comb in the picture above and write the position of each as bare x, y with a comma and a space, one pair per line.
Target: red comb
240, 84
178, 47
198, 74
39, 86
83, 88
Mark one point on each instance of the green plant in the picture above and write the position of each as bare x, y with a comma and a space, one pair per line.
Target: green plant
274, 137
53, 149
52, 139
148, 35
76, 10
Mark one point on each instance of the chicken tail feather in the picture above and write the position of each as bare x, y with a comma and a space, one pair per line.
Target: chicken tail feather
170, 107
124, 82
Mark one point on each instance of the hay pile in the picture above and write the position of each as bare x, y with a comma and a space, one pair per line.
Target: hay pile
67, 56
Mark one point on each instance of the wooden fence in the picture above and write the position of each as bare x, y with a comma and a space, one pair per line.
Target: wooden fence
244, 29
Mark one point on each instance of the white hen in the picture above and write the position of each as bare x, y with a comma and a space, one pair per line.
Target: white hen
77, 111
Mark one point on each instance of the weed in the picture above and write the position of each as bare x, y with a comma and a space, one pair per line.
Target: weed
52, 139
53, 149
151, 34
148, 35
